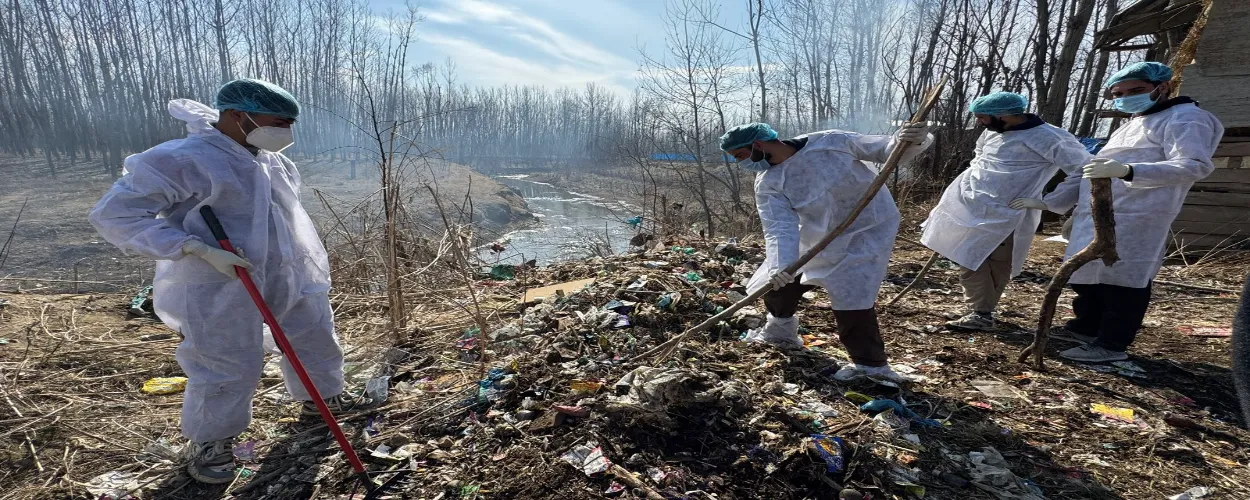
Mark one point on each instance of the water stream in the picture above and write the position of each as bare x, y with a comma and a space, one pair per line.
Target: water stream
567, 224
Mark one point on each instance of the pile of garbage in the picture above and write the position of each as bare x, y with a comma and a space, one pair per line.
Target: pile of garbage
564, 408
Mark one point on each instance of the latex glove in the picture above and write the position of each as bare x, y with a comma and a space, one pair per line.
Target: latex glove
1066, 232
1023, 203
914, 133
220, 259
781, 279
1100, 168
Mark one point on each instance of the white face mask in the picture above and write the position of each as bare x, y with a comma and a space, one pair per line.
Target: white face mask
752, 165
273, 139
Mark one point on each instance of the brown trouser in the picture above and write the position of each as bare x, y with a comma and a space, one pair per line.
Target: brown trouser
984, 285
858, 330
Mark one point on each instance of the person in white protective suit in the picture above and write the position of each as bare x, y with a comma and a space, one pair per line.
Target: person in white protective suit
231, 161
804, 188
1152, 159
986, 218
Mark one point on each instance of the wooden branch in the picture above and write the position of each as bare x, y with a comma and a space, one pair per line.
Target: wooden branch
668, 348
1103, 247
932, 259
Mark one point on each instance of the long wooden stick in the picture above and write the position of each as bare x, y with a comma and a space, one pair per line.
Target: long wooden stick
1102, 247
932, 260
668, 348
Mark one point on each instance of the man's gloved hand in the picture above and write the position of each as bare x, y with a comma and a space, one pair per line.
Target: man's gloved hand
1066, 232
221, 260
781, 279
1100, 168
1023, 203
914, 133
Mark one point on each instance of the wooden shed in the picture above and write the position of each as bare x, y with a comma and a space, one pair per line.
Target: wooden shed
1216, 214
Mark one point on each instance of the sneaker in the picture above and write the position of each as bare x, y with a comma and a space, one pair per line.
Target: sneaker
853, 372
973, 321
1063, 333
1091, 353
339, 405
211, 462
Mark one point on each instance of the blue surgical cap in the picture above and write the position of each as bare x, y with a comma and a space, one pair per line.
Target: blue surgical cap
743, 135
257, 96
999, 104
1147, 71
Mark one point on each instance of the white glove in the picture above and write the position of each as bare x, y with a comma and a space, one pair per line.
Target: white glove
781, 279
1100, 168
1023, 203
1066, 232
220, 259
914, 133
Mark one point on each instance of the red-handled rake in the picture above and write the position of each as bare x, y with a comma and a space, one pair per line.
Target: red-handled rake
374, 491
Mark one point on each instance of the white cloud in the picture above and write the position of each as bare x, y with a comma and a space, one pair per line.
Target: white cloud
529, 30
486, 66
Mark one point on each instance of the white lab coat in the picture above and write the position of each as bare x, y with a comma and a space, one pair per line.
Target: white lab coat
803, 198
1169, 151
153, 210
973, 217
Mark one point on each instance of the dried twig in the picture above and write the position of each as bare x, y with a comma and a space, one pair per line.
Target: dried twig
1102, 247
932, 259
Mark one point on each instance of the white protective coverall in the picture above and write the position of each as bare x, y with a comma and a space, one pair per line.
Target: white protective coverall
804, 197
972, 218
153, 210
1169, 150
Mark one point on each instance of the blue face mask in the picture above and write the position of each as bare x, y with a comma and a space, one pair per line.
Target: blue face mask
1135, 103
753, 166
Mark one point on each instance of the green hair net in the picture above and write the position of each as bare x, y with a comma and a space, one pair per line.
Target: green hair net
1147, 71
257, 96
999, 104
742, 135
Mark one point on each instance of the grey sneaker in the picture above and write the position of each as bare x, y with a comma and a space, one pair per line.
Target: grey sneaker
1091, 353
1063, 333
339, 405
973, 321
211, 462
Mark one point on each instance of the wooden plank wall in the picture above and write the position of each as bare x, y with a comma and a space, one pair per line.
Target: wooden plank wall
1217, 210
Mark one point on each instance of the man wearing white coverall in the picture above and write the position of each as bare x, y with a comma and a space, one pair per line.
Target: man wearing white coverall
804, 188
1152, 159
982, 222
231, 161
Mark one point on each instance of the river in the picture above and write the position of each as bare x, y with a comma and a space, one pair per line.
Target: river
567, 223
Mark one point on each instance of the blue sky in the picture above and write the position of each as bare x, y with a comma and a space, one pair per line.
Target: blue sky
540, 42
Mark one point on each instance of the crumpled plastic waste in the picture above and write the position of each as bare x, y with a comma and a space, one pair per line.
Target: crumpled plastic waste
588, 457
658, 388
832, 450
990, 473
1192, 494
113, 485
164, 385
880, 405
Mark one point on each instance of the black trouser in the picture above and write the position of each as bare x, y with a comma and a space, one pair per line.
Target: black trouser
1112, 313
858, 329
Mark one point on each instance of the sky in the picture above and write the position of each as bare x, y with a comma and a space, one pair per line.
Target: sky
555, 43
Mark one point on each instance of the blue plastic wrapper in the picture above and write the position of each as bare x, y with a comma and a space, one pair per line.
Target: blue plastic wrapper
832, 450
880, 405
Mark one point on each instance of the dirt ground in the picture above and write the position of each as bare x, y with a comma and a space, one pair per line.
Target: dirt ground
55, 249
72, 366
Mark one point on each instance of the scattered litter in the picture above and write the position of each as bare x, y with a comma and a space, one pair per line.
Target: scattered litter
881, 405
376, 388
656, 474
4, 341
501, 272
113, 485
818, 407
1113, 413
1192, 494
245, 451
989, 472
831, 450
162, 450
588, 457
995, 389
857, 397
164, 385
1206, 331
614, 488
572, 411
585, 386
